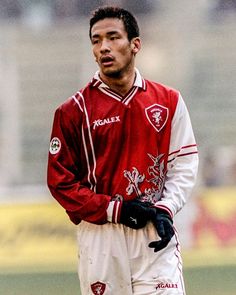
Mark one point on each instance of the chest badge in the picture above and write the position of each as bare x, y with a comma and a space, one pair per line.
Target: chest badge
157, 116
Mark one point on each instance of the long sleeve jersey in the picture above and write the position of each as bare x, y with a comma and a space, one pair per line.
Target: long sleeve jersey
104, 145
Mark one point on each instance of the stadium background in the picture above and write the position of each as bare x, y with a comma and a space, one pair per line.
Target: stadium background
45, 57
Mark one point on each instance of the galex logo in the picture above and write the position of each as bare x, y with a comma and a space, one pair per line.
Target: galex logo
167, 286
101, 122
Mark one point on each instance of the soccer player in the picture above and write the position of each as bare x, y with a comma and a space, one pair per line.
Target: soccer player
122, 162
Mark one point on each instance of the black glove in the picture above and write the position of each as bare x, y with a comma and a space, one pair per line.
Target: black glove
164, 226
136, 214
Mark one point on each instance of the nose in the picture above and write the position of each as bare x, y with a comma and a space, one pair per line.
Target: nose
104, 46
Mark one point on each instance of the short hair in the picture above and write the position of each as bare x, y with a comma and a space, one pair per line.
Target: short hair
130, 22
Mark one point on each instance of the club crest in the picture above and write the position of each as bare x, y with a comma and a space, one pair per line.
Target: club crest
157, 115
98, 288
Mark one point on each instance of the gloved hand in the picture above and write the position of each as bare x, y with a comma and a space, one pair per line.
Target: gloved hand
164, 226
136, 214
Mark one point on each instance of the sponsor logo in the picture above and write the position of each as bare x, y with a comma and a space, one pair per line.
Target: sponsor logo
55, 146
157, 115
98, 288
167, 286
101, 122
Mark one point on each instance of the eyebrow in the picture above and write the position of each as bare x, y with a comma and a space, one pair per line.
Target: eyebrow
108, 33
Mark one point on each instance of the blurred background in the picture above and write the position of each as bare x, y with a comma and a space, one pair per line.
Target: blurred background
45, 57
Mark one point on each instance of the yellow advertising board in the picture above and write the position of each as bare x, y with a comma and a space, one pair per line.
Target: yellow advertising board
214, 228
215, 225
36, 236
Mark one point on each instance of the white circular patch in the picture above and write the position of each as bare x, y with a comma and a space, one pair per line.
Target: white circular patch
55, 146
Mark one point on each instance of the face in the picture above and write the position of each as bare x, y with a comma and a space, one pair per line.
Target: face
113, 52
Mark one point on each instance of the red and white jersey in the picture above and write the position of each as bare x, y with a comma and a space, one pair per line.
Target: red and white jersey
137, 146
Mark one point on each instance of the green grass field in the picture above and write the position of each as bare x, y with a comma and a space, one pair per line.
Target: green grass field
199, 281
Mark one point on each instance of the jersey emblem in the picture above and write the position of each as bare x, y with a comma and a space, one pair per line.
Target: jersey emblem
147, 186
55, 146
157, 116
157, 173
98, 288
134, 178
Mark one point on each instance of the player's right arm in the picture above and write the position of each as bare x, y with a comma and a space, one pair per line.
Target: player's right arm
64, 169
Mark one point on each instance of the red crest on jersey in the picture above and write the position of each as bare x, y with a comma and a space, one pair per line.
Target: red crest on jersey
157, 115
98, 288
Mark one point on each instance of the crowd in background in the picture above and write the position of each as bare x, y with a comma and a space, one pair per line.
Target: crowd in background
190, 49
61, 9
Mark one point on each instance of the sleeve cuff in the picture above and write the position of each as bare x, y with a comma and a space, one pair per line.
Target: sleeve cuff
113, 211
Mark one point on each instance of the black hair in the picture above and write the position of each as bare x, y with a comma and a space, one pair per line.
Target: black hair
130, 22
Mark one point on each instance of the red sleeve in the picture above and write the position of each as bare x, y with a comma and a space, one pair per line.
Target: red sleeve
64, 172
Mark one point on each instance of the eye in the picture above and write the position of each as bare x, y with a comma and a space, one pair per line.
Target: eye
95, 41
112, 38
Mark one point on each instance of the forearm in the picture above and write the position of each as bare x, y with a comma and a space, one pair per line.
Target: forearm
180, 180
81, 203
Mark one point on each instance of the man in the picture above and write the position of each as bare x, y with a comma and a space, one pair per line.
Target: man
122, 162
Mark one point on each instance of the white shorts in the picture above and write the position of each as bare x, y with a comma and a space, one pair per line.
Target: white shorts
116, 260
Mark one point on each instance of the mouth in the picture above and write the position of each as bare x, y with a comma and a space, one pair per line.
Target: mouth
107, 60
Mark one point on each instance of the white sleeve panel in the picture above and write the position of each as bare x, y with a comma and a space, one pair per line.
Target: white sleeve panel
182, 162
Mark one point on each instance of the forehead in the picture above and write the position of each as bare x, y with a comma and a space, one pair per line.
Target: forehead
107, 25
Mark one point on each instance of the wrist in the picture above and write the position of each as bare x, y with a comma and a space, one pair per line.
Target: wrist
164, 209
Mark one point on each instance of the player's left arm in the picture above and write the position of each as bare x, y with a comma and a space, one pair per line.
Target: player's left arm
182, 163
180, 177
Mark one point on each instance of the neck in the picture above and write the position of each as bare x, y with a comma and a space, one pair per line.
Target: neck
120, 84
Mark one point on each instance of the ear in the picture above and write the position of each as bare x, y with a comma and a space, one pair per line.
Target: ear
135, 45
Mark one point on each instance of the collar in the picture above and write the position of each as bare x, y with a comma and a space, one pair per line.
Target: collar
138, 82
